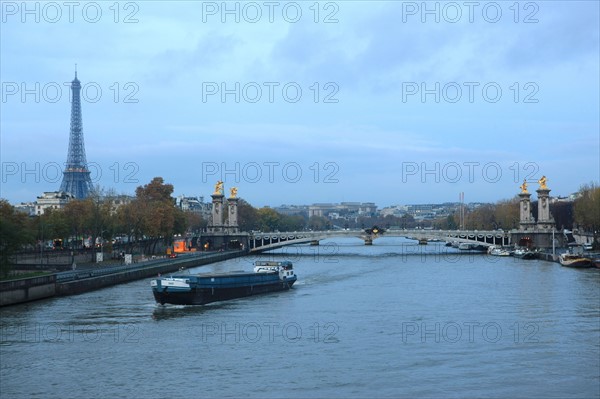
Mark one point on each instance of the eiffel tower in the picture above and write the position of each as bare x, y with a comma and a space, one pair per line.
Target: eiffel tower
76, 176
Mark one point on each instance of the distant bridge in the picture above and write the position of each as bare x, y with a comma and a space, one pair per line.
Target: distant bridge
260, 242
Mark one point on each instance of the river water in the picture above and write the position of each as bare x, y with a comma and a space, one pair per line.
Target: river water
391, 320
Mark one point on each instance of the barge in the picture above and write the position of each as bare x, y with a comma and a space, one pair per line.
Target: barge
200, 289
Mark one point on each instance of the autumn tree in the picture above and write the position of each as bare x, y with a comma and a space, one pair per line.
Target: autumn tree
506, 214
587, 210
449, 222
77, 215
562, 213
52, 225
13, 234
247, 216
318, 223
101, 217
406, 221
194, 221
291, 223
156, 212
129, 219
268, 219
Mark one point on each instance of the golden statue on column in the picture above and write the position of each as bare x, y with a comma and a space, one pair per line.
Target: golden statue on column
218, 188
523, 187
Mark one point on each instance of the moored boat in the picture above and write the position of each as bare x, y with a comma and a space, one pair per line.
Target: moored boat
465, 246
523, 253
572, 260
498, 251
185, 289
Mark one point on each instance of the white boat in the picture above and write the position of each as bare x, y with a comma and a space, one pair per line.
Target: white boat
498, 251
524, 253
285, 268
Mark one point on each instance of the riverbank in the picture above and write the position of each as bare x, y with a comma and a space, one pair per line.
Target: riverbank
22, 290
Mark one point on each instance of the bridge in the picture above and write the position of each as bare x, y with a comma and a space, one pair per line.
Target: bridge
260, 242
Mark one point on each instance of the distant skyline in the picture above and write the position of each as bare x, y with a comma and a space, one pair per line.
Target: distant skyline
298, 104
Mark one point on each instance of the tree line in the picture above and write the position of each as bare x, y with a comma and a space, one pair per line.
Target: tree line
152, 216
149, 217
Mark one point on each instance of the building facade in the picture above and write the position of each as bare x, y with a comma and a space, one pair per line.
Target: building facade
52, 200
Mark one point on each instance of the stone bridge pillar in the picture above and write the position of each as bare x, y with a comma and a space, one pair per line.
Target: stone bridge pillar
233, 215
217, 213
526, 221
545, 221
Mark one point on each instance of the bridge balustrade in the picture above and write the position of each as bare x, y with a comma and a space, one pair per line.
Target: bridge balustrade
266, 241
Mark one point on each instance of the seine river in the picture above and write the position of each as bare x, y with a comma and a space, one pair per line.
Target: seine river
391, 320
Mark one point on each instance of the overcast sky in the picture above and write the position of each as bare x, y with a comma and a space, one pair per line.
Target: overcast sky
303, 102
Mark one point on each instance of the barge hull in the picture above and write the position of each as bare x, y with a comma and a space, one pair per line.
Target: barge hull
201, 296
